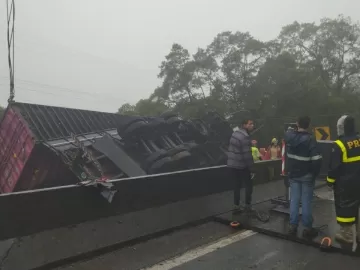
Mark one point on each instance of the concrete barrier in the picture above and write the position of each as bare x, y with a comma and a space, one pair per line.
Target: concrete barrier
38, 210
53, 245
41, 248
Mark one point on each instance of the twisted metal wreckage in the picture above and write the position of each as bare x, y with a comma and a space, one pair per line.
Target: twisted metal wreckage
87, 147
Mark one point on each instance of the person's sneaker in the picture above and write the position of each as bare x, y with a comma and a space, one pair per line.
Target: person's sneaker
293, 229
310, 233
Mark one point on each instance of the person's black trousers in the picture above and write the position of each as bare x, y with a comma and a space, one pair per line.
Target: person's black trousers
242, 179
347, 203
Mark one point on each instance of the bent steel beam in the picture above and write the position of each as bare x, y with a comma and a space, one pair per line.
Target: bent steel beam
30, 212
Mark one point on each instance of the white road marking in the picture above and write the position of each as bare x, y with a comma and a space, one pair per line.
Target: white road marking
266, 257
200, 251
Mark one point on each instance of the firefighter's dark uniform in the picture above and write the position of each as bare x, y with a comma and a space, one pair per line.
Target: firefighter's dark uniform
344, 176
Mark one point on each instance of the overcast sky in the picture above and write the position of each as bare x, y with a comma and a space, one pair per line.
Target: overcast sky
93, 54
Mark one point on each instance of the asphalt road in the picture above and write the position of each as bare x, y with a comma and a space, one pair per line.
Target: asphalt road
262, 252
216, 246
213, 246
156, 250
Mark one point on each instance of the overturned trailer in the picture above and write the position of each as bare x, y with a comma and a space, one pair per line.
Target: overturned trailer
45, 146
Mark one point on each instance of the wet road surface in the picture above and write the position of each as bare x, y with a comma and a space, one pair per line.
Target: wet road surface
262, 252
213, 246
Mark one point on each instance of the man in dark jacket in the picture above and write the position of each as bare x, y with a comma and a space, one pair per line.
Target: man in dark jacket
303, 166
240, 160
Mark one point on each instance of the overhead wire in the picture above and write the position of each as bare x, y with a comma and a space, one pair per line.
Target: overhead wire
65, 89
10, 4
10, 15
66, 93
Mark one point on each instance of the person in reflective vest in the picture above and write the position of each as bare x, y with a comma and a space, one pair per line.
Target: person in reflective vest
304, 161
344, 178
255, 151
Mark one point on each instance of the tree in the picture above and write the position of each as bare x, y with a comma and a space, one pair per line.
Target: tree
205, 74
127, 109
240, 56
2, 111
331, 49
144, 107
309, 68
176, 72
285, 87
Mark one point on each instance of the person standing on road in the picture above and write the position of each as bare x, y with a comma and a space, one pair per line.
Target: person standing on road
240, 161
344, 178
303, 166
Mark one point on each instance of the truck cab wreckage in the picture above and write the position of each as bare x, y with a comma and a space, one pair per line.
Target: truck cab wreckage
66, 170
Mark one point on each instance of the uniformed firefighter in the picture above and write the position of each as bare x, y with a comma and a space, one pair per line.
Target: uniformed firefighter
344, 177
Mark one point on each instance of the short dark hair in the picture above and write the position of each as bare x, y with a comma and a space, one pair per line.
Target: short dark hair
245, 121
304, 122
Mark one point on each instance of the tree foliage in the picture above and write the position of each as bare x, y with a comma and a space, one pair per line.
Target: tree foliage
144, 107
2, 110
309, 68
331, 49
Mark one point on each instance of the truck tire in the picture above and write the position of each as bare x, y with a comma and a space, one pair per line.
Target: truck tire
181, 155
201, 127
158, 128
154, 157
134, 120
174, 120
199, 154
134, 128
168, 115
184, 161
175, 150
160, 165
121, 129
190, 146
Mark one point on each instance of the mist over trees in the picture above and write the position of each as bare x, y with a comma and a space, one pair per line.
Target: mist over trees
311, 68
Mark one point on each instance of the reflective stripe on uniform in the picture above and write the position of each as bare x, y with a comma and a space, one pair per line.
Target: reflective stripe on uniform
345, 220
317, 157
345, 158
298, 157
330, 180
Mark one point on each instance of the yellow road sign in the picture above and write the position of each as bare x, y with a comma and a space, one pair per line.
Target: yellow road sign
322, 133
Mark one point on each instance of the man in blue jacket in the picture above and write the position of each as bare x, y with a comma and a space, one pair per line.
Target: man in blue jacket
303, 166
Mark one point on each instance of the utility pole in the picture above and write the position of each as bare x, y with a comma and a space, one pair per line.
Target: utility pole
10, 12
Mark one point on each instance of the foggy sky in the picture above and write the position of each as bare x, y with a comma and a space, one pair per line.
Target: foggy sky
97, 55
